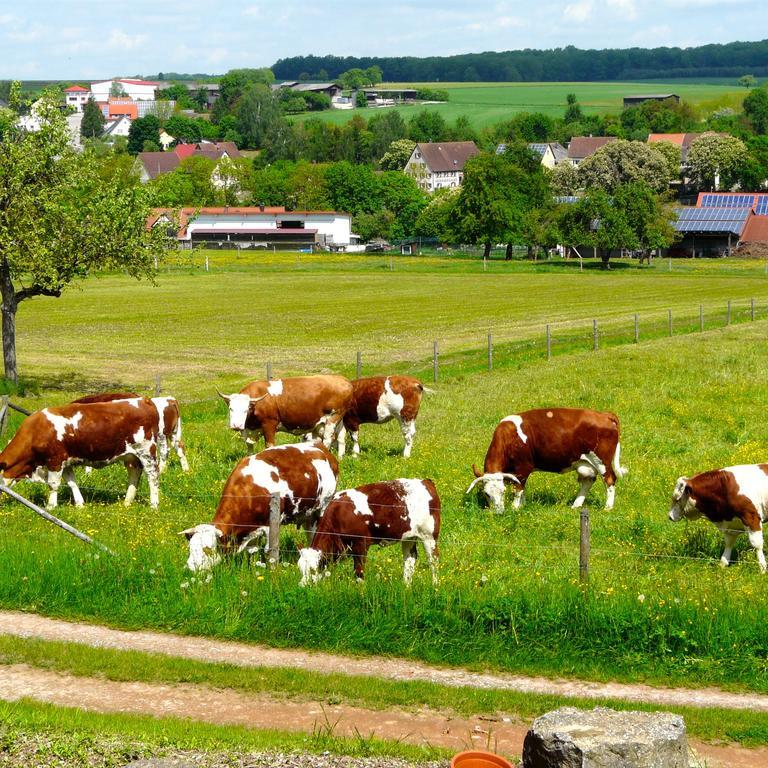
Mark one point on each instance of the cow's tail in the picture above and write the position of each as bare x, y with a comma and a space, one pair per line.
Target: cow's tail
618, 470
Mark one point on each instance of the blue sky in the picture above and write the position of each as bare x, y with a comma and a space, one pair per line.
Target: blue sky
59, 39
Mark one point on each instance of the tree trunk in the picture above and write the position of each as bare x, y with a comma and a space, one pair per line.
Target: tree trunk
487, 252
508, 252
605, 257
8, 310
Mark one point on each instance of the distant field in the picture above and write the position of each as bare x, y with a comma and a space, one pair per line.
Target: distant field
488, 103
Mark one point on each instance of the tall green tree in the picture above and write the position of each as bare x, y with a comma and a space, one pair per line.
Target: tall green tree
756, 109
621, 162
141, 131
92, 124
60, 219
258, 110
714, 161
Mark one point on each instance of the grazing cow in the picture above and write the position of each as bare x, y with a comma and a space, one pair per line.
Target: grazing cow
379, 399
301, 405
407, 511
552, 440
735, 499
50, 443
169, 425
299, 479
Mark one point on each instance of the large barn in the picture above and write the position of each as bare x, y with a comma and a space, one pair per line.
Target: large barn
257, 227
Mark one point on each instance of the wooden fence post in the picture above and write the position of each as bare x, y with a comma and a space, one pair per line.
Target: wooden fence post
490, 352
434, 361
549, 342
594, 335
273, 557
584, 545
752, 309
670, 322
728, 317
637, 329
359, 366
3, 414
157, 385
207, 265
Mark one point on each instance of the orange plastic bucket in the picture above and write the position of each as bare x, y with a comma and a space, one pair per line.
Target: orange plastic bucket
479, 759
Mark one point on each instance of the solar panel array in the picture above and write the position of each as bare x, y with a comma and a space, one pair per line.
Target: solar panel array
727, 201
762, 205
539, 148
722, 219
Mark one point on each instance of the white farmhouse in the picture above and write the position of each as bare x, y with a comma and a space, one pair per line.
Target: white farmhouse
76, 97
439, 165
138, 90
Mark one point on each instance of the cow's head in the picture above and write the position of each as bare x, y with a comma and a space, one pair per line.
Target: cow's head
203, 547
682, 503
310, 561
493, 486
239, 408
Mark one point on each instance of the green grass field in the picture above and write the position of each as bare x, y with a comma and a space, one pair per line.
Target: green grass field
657, 607
487, 103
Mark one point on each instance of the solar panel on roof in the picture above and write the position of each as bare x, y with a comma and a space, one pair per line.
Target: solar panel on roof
722, 219
715, 200
762, 205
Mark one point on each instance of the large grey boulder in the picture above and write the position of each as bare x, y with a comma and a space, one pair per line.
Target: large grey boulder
605, 738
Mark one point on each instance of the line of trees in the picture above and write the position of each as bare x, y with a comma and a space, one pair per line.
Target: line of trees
567, 64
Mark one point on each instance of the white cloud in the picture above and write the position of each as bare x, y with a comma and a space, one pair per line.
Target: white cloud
119, 39
579, 12
626, 8
252, 10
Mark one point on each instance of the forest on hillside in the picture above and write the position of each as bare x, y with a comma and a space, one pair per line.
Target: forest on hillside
561, 64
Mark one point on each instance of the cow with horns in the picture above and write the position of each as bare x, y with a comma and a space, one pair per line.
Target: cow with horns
378, 399
735, 499
297, 479
300, 405
551, 440
405, 511
169, 427
51, 442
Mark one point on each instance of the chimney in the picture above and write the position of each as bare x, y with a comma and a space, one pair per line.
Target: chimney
261, 207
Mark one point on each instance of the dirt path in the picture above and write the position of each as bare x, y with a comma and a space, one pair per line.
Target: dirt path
241, 654
227, 706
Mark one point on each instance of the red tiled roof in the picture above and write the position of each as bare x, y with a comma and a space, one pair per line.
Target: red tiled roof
672, 138
447, 156
184, 150
117, 110
78, 88
584, 146
138, 82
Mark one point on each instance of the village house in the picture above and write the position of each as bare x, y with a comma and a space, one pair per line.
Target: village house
551, 153
76, 97
150, 165
582, 147
439, 165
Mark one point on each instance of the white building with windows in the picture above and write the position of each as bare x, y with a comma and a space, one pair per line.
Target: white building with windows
440, 165
76, 97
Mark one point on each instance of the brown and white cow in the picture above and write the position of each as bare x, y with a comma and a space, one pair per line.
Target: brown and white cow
51, 442
300, 405
378, 399
169, 415
405, 510
300, 478
735, 499
552, 440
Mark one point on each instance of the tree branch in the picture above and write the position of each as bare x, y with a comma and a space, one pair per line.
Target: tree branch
37, 290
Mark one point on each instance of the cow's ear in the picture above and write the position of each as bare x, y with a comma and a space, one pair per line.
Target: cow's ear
688, 491
477, 472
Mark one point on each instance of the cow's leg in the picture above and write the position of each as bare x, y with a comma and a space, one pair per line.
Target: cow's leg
54, 481
609, 478
756, 540
430, 551
69, 478
359, 551
269, 429
409, 564
178, 444
729, 536
340, 436
352, 425
162, 451
519, 498
133, 467
153, 478
408, 428
586, 475
327, 429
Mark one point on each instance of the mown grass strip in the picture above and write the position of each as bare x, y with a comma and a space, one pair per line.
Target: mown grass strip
748, 728
73, 729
